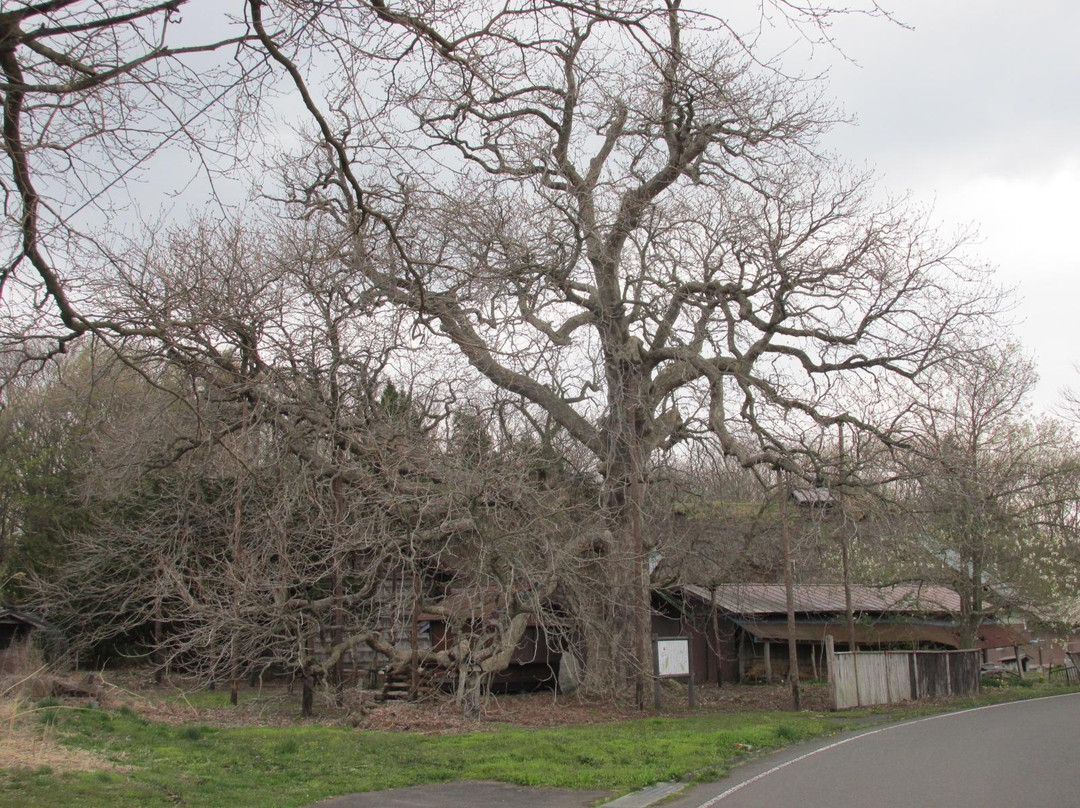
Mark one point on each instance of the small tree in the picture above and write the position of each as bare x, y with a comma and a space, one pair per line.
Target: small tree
991, 485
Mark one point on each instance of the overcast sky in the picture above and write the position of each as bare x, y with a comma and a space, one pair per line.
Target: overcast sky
976, 110
973, 108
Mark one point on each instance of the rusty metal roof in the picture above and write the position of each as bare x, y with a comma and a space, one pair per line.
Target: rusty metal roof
762, 599
991, 635
866, 634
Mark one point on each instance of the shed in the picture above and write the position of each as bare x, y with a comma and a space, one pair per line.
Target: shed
740, 631
16, 626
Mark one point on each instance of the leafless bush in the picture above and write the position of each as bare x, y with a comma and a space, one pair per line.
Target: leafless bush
21, 658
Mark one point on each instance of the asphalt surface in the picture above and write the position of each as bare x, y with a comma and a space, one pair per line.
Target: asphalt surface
467, 795
1007, 755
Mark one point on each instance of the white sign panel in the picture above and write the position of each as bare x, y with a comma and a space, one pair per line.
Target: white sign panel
673, 657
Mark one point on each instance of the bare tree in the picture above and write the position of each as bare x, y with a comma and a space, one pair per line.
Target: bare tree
620, 219
298, 507
613, 213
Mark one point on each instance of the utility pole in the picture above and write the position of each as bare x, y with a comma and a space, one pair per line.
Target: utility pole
849, 610
789, 589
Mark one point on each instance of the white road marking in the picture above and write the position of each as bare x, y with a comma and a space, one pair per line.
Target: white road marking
860, 736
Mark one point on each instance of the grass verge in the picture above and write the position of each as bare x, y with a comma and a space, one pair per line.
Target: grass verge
161, 765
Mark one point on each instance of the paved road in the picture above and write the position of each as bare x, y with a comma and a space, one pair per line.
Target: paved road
467, 795
1009, 755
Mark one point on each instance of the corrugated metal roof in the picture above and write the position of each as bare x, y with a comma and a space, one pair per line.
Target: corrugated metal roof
761, 599
991, 635
867, 634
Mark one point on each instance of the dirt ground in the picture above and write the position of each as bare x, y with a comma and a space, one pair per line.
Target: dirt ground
277, 704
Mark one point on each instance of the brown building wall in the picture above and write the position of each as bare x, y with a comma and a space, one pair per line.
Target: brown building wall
714, 647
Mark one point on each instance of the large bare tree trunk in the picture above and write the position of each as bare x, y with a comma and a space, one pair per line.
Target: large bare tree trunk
618, 653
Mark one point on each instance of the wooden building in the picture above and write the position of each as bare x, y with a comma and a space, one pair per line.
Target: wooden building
739, 632
16, 626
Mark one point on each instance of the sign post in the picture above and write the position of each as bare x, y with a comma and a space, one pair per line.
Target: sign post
672, 660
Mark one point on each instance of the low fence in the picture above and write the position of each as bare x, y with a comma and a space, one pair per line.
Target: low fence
1069, 673
1062, 675
864, 678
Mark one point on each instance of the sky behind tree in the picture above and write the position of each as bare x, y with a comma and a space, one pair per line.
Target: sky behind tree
970, 106
975, 109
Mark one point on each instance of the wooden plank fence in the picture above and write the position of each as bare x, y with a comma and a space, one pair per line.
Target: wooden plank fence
864, 678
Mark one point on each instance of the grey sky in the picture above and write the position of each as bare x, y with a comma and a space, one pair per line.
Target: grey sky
975, 87
974, 109
977, 111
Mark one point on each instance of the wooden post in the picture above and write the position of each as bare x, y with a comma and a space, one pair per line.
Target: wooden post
656, 677
768, 662
948, 673
716, 637
915, 694
691, 694
855, 670
888, 681
742, 663
830, 665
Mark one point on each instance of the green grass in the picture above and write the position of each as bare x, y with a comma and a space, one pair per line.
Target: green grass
290, 766
205, 766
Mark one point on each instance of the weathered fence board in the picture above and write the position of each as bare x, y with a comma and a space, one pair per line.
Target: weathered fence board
844, 678
965, 673
860, 679
873, 679
932, 674
899, 673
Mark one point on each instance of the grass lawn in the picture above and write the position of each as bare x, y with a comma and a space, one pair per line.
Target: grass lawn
159, 764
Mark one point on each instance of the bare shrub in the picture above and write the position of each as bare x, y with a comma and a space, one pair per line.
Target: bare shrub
21, 658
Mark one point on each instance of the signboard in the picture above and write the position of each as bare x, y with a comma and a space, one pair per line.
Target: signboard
671, 660
673, 657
